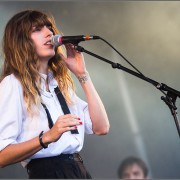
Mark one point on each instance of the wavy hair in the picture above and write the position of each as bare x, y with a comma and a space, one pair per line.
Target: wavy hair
20, 56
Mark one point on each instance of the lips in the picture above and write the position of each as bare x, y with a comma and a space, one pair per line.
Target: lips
48, 42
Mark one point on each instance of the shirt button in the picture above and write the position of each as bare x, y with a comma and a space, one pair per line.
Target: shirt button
71, 157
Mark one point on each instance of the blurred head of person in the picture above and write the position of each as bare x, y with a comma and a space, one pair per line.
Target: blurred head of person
132, 168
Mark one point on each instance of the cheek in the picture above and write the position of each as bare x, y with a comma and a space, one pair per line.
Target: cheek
36, 40
38, 51
37, 47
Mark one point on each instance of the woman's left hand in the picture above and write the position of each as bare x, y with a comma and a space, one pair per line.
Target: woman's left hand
74, 61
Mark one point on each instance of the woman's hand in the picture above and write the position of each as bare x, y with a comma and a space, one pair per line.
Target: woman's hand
74, 61
63, 124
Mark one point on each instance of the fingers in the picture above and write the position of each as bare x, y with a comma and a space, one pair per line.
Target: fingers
63, 124
66, 116
68, 122
71, 47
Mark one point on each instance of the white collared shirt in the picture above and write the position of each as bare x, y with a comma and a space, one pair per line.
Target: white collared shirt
17, 126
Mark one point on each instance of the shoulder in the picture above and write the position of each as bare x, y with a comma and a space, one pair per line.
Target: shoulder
9, 79
10, 82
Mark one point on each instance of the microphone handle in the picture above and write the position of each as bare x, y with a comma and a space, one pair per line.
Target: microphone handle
72, 39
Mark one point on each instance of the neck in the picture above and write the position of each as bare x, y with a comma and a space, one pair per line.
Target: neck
43, 67
44, 70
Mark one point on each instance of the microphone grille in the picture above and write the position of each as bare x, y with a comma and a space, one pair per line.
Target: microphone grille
55, 40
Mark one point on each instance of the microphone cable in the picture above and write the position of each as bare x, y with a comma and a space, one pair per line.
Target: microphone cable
158, 86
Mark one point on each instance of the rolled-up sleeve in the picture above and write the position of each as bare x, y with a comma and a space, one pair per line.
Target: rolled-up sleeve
88, 122
11, 111
83, 106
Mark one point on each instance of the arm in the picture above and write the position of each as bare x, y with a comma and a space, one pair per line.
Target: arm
11, 112
75, 62
97, 111
14, 153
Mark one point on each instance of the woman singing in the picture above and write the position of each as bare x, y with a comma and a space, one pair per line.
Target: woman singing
42, 120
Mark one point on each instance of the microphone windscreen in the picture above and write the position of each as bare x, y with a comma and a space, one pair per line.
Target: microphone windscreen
55, 40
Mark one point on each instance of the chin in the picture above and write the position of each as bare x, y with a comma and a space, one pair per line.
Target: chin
49, 56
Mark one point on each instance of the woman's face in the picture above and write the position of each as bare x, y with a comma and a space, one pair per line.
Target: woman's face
41, 36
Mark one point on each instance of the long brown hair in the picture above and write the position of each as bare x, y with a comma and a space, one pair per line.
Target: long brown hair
20, 56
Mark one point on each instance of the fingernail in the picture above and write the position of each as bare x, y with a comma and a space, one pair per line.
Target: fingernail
80, 122
79, 118
75, 127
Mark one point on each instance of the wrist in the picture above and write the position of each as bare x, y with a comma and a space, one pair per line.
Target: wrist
45, 139
83, 77
44, 145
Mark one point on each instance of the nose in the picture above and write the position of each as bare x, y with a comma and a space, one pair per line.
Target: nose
48, 32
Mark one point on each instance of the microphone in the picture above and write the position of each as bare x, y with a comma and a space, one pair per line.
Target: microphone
58, 40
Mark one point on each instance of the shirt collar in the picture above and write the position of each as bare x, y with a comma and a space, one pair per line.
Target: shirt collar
51, 81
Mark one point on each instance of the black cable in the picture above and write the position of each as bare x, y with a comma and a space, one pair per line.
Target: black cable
158, 87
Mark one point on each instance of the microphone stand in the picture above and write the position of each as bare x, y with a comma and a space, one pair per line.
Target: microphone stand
169, 98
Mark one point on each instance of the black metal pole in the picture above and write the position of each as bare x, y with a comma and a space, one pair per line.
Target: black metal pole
171, 95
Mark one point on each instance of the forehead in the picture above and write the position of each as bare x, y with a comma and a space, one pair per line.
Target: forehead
133, 168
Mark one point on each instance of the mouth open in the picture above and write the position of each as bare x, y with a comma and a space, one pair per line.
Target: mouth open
48, 43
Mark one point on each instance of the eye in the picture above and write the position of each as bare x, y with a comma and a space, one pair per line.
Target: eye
34, 29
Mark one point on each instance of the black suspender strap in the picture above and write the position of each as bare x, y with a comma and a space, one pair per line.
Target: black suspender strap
62, 101
64, 106
50, 122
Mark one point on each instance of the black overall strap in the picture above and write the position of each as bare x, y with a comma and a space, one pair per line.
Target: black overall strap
64, 106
